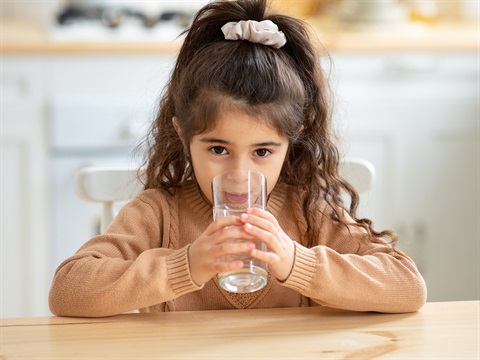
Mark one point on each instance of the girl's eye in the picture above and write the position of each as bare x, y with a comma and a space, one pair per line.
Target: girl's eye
218, 150
262, 152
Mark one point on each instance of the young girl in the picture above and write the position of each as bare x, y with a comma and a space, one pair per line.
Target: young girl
247, 92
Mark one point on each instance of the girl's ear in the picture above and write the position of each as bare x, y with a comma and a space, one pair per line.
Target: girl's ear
177, 128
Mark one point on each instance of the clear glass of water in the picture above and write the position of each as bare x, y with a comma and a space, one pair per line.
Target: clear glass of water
233, 193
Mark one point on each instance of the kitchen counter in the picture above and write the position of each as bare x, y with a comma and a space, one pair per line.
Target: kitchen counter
408, 36
18, 37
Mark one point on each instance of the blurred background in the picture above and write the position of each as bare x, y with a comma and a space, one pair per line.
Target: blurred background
80, 82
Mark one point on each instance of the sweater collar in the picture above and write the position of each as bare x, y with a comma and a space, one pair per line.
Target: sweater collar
197, 201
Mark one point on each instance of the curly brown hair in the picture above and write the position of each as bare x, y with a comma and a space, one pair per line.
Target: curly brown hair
286, 86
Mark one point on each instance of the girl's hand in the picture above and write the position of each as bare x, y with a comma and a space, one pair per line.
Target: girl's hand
205, 253
263, 226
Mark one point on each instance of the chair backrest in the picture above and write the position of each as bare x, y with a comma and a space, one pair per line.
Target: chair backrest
110, 185
107, 185
358, 172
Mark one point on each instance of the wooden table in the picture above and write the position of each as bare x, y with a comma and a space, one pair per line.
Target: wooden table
448, 330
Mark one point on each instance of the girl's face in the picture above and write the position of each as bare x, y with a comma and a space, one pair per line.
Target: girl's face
238, 141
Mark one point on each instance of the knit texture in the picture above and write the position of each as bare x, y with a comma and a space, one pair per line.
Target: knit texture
141, 263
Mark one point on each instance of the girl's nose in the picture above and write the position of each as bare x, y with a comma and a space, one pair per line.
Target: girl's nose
237, 176
241, 163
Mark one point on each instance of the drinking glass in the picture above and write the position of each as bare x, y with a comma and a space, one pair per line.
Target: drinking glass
233, 192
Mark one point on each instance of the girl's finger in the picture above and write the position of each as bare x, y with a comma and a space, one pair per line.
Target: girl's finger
262, 235
268, 223
231, 247
221, 223
219, 266
259, 222
262, 214
268, 257
230, 233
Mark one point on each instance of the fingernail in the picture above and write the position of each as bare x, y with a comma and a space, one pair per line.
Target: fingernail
244, 217
248, 226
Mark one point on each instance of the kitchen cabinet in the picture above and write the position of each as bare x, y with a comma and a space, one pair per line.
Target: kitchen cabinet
413, 115
30, 86
24, 243
416, 117
97, 125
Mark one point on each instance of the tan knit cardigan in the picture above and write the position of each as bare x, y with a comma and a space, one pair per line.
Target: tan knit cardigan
141, 262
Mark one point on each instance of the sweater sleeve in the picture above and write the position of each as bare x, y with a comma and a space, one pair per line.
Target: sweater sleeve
123, 269
349, 270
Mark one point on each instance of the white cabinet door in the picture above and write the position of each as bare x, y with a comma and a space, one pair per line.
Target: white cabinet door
100, 108
24, 245
28, 86
415, 116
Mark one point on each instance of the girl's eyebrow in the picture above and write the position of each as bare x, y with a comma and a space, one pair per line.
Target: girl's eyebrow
267, 143
220, 141
214, 140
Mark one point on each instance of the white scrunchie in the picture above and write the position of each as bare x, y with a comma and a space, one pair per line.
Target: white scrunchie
264, 32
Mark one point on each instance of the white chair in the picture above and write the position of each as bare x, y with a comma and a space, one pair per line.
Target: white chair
108, 186
111, 185
358, 172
